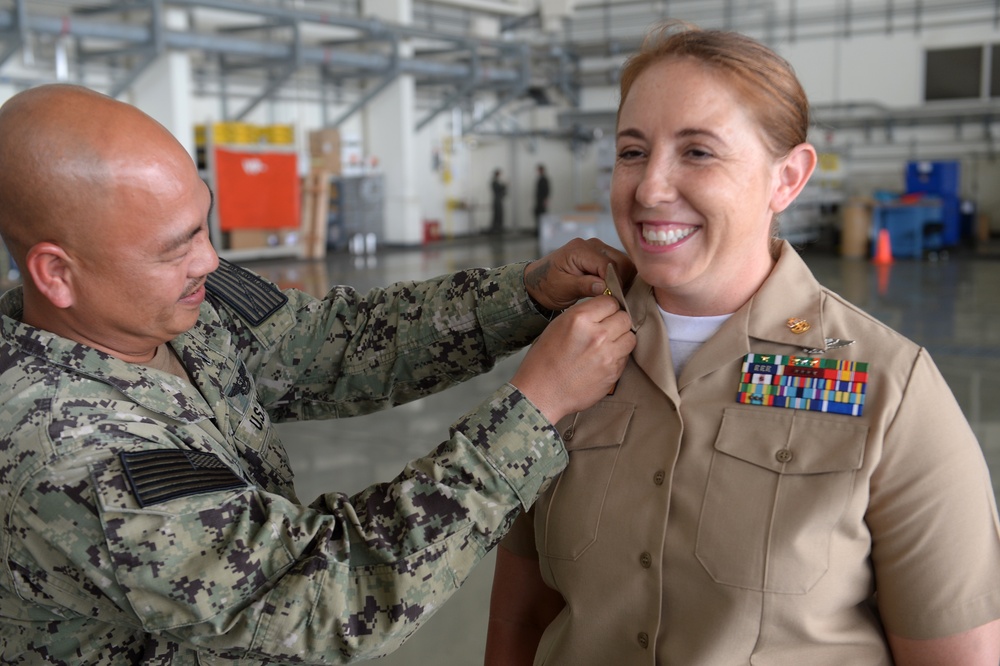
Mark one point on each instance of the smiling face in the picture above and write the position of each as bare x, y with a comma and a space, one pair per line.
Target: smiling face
695, 187
143, 284
108, 218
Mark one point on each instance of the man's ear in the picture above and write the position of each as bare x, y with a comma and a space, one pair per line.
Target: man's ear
49, 268
794, 171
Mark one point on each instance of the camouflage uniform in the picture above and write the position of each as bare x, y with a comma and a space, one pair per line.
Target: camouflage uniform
148, 520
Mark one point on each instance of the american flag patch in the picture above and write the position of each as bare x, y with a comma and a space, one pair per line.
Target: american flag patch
165, 474
250, 295
803, 382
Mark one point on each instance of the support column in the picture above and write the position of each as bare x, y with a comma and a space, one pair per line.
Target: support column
390, 122
163, 90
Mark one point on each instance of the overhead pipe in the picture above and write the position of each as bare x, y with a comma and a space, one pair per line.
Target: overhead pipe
390, 75
486, 7
152, 51
239, 46
374, 27
451, 100
276, 82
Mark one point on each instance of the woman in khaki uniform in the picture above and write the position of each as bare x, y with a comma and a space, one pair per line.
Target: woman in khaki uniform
777, 479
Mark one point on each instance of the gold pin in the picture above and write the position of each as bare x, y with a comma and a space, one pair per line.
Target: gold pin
607, 291
796, 325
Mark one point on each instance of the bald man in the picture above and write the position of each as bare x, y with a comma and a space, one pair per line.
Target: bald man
149, 511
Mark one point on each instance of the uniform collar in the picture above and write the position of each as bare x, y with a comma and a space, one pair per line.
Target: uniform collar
789, 292
652, 348
157, 391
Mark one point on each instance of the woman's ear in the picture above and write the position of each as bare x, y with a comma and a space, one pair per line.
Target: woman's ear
49, 268
793, 173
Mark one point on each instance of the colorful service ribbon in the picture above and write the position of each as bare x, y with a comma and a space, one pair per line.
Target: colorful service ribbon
801, 382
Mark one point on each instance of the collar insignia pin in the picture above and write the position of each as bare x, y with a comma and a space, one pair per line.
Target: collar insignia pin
796, 325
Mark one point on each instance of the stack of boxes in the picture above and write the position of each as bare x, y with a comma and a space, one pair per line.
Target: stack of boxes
324, 150
321, 220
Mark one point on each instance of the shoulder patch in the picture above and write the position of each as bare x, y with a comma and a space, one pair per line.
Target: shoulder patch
252, 297
165, 474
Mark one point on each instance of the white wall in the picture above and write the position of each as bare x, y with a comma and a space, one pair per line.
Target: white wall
882, 68
888, 69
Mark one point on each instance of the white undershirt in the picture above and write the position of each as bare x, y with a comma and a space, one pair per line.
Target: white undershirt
687, 334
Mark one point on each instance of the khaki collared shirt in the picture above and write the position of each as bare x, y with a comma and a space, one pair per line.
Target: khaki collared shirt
692, 530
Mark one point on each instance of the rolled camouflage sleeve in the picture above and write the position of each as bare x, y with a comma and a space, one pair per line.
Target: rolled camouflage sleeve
410, 543
350, 353
245, 574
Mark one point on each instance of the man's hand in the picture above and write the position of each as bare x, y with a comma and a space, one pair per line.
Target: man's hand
578, 358
574, 271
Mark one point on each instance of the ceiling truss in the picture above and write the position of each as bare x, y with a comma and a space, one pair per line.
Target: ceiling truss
248, 52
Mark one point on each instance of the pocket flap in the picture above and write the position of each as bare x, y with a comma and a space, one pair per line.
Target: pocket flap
792, 441
604, 424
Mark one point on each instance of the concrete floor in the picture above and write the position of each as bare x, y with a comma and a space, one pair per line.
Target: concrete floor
951, 307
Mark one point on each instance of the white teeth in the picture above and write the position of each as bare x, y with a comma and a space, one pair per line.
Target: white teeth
661, 236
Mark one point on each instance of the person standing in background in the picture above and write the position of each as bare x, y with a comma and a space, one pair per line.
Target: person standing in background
499, 190
542, 191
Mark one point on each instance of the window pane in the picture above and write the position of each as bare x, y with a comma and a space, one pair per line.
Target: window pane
995, 71
953, 73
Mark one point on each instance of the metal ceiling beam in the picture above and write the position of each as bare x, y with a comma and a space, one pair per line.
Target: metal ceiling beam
151, 50
288, 68
270, 89
16, 32
216, 43
146, 42
504, 101
390, 75
449, 102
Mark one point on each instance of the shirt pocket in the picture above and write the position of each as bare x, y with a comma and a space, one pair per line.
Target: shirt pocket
569, 514
779, 483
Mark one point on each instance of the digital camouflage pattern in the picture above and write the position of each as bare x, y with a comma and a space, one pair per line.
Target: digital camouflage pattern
192, 548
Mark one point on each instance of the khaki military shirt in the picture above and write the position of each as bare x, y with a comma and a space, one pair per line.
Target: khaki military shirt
692, 529
148, 519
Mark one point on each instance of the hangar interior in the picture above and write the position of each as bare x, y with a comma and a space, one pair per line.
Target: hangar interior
394, 114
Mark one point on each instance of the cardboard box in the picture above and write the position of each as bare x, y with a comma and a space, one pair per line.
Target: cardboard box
250, 239
324, 149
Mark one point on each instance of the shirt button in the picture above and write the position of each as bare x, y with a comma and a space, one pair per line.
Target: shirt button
659, 477
643, 639
783, 455
646, 560
568, 435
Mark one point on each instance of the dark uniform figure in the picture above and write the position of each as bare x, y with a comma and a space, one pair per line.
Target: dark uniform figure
499, 190
542, 191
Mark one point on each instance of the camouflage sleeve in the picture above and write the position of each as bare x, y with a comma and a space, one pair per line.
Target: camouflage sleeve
448, 528
239, 573
349, 354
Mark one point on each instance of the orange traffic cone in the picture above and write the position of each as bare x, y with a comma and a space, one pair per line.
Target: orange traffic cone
883, 249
